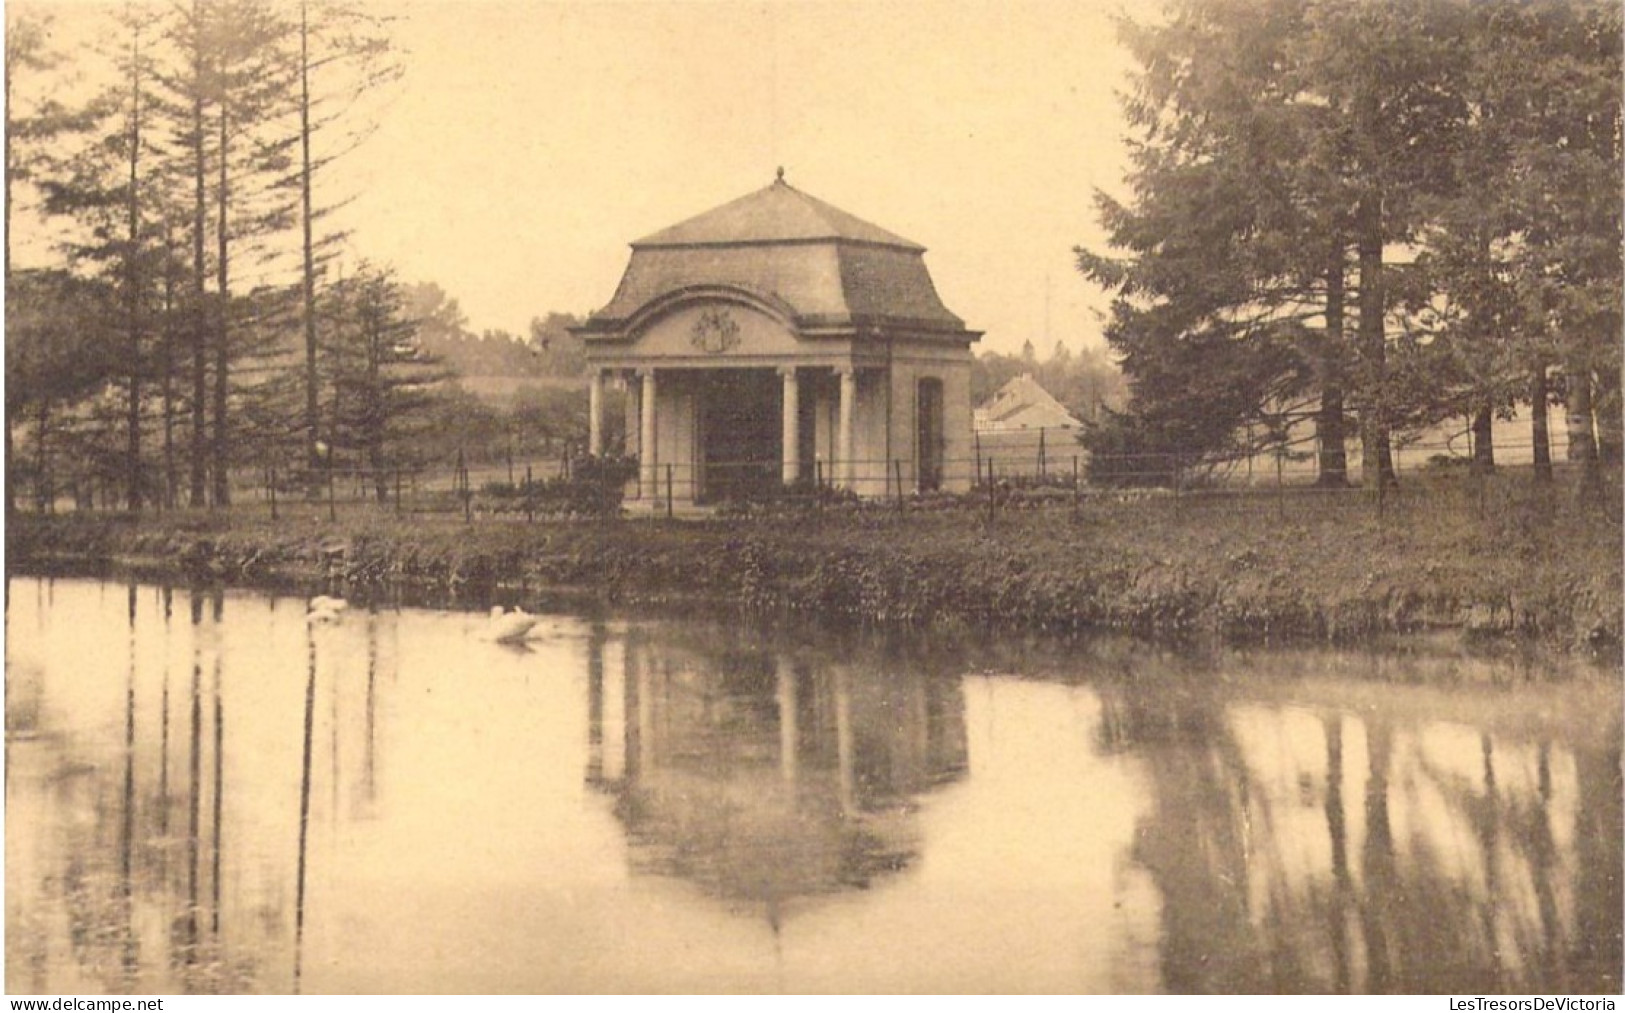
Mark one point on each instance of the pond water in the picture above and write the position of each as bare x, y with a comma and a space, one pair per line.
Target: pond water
206, 794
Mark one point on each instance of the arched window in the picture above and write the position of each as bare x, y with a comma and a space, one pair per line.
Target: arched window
929, 433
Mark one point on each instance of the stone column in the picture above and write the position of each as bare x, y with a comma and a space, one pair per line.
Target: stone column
648, 456
633, 416
792, 425
845, 468
595, 412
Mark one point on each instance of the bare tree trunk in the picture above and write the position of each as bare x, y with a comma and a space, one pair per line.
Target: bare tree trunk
1334, 464
1378, 456
1582, 440
199, 308
1607, 408
380, 480
11, 456
168, 378
373, 427
1483, 440
43, 493
1540, 424
11, 489
312, 407
132, 448
222, 440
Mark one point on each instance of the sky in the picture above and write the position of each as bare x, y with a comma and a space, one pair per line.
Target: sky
528, 143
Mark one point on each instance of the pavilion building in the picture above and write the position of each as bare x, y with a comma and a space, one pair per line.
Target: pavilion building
779, 340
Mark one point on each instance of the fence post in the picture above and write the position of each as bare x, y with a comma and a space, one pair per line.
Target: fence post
332, 494
1043, 466
1077, 489
670, 509
461, 484
977, 434
273, 492
530, 496
1280, 485
897, 469
990, 491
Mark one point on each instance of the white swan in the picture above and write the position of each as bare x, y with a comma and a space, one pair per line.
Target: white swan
323, 609
510, 627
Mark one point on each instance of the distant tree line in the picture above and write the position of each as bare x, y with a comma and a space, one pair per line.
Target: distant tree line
1370, 217
1086, 382
541, 405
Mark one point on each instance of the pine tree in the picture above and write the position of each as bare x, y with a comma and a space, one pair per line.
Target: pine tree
228, 97
1562, 179
1393, 74
344, 52
253, 88
35, 119
1523, 253
114, 191
1277, 140
1234, 238
381, 381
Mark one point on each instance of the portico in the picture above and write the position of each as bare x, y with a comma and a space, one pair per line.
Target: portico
775, 341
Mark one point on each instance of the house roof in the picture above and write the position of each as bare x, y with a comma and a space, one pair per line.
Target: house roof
1024, 403
778, 213
827, 268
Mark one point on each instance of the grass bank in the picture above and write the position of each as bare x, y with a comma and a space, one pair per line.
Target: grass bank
1328, 568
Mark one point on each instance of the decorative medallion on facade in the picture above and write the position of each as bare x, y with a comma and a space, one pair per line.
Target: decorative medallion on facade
715, 332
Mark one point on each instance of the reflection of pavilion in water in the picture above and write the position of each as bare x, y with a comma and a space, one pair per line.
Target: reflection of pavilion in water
765, 777
1372, 828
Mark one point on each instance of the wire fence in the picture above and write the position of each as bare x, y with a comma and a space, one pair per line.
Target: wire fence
1005, 471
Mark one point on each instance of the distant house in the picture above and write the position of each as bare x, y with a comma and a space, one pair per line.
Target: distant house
777, 339
1023, 430
1023, 404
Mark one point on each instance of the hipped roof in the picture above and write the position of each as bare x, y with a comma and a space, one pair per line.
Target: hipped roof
774, 214
829, 268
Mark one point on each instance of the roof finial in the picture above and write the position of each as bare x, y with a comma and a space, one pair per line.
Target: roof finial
780, 175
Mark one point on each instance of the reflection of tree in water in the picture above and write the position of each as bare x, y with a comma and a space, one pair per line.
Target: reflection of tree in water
767, 776
1303, 849
127, 885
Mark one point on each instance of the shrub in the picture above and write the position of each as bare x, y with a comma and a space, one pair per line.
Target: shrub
594, 487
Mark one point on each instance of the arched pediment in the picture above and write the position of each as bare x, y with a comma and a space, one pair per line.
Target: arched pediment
652, 312
714, 325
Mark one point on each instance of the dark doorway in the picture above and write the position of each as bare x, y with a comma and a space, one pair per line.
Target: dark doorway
929, 434
740, 431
